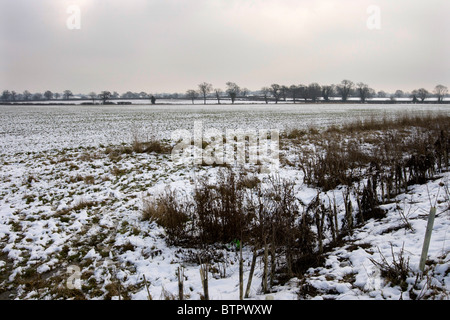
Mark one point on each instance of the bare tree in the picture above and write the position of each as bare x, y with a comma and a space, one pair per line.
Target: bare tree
37, 96
421, 93
440, 91
344, 89
48, 95
104, 96
399, 94
67, 94
233, 90
93, 95
283, 92
218, 93
143, 95
56, 95
26, 95
265, 92
6, 95
327, 92
130, 95
192, 94
204, 89
275, 89
13, 95
314, 91
303, 92
293, 89
381, 94
363, 91
244, 92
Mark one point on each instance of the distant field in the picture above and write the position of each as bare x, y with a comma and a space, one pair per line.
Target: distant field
38, 128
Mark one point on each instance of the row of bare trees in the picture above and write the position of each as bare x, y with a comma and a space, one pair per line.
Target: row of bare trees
275, 92
67, 95
312, 92
28, 96
205, 89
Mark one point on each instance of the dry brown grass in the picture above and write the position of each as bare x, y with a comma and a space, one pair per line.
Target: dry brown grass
167, 211
150, 146
138, 145
403, 150
397, 121
80, 205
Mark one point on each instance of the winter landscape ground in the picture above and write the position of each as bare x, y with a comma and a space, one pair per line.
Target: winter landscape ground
342, 217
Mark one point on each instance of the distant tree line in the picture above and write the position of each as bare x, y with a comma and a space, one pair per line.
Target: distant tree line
104, 96
312, 92
274, 93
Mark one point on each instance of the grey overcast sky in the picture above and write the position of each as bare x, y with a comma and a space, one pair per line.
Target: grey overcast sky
160, 46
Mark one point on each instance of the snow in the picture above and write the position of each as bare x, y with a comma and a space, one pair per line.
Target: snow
368, 282
42, 128
42, 149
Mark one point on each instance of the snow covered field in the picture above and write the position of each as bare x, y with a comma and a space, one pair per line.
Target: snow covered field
71, 214
40, 128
